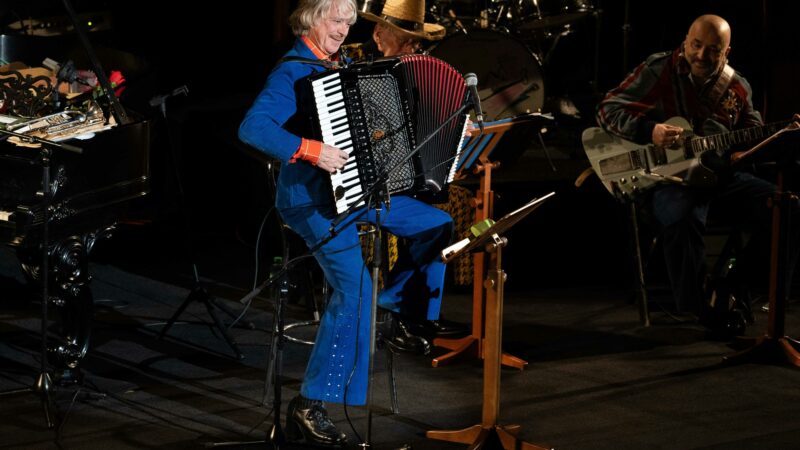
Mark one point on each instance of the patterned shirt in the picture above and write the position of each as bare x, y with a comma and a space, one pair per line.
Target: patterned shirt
661, 88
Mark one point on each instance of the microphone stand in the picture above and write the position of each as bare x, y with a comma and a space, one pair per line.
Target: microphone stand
44, 382
276, 436
374, 190
198, 292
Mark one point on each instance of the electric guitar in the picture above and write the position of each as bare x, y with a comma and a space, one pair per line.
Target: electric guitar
627, 168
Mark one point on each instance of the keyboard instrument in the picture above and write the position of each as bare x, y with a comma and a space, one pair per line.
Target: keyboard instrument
379, 113
91, 186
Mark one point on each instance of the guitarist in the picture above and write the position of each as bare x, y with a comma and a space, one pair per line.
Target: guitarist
694, 81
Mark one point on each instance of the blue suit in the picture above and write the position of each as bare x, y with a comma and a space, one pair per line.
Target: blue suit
337, 369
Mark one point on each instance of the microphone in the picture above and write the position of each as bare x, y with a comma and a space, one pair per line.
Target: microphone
160, 99
472, 84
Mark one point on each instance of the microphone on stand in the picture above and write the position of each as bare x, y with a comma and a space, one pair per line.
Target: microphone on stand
472, 83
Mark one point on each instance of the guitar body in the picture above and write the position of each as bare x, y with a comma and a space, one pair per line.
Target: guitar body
626, 168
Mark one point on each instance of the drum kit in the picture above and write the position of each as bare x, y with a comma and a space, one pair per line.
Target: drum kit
504, 42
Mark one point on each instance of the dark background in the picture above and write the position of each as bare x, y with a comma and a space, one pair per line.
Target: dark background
223, 54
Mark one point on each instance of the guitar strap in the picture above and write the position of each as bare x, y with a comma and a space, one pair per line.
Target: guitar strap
719, 88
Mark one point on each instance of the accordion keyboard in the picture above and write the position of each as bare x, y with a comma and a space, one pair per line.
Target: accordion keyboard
336, 125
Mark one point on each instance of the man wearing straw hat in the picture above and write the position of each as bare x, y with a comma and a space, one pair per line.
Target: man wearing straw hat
400, 29
400, 26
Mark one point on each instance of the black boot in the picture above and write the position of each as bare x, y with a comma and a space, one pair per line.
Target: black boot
307, 422
396, 334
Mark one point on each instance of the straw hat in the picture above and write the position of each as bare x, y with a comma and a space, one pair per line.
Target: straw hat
406, 16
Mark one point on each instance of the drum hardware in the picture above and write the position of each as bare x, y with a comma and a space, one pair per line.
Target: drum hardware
509, 73
541, 18
549, 14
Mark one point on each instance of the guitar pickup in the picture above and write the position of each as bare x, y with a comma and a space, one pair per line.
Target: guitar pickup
622, 163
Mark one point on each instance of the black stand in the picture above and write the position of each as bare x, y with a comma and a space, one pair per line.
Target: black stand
488, 434
377, 261
774, 346
375, 191
43, 386
198, 293
275, 436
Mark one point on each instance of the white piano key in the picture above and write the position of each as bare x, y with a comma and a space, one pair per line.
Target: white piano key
328, 100
336, 125
327, 117
324, 110
340, 137
325, 91
332, 77
347, 182
346, 146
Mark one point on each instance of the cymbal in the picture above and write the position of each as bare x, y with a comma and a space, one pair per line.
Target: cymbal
552, 21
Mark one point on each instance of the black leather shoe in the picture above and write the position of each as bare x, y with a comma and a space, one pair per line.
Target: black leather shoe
440, 328
721, 323
307, 422
396, 334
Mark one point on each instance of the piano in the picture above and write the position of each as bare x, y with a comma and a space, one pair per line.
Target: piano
90, 193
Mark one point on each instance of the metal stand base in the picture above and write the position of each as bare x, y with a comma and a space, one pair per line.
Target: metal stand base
212, 304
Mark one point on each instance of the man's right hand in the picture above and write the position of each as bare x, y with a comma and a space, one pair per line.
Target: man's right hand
331, 158
665, 135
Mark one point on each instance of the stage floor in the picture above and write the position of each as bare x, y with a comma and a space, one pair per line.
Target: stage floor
596, 379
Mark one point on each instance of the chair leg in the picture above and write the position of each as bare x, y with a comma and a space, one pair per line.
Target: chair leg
641, 288
392, 381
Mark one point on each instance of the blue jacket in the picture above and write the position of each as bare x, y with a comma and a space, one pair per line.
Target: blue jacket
275, 124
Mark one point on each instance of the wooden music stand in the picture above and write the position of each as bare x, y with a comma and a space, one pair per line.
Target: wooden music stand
491, 242
774, 346
475, 156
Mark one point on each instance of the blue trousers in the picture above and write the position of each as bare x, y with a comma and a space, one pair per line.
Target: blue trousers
338, 368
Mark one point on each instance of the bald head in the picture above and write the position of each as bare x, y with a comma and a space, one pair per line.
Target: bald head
710, 24
707, 45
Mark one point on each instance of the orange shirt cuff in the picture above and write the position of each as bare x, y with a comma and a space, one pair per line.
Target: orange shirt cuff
309, 150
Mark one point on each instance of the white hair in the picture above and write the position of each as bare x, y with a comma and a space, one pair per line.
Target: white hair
309, 12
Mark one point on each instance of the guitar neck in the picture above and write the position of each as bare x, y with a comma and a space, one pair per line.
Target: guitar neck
720, 143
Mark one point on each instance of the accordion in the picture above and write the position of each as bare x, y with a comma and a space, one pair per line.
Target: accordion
379, 112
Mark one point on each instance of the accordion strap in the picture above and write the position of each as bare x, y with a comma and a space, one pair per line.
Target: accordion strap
317, 62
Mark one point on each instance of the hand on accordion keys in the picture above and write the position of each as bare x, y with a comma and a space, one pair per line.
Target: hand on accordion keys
331, 158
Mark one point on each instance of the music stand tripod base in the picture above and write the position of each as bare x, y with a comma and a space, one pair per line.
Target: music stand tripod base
774, 346
488, 434
470, 346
